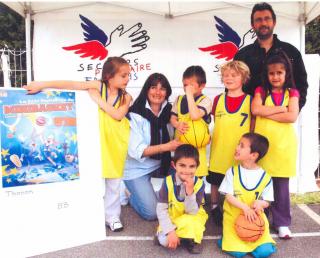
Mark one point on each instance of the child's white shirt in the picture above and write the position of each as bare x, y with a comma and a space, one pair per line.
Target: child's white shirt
250, 178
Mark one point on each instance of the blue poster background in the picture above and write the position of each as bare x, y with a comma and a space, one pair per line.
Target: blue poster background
38, 137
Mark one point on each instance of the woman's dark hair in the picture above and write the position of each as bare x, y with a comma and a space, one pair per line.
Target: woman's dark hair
262, 7
278, 57
186, 151
152, 80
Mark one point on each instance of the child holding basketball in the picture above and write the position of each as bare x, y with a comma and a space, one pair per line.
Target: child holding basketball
276, 105
232, 118
180, 211
193, 107
248, 189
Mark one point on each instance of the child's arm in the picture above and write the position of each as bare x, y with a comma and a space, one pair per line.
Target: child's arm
115, 113
290, 116
248, 212
194, 111
258, 109
36, 86
182, 127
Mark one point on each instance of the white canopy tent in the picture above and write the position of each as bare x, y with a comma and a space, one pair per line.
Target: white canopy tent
302, 11
177, 29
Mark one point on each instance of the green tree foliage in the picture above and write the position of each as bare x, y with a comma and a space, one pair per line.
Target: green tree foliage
12, 29
313, 37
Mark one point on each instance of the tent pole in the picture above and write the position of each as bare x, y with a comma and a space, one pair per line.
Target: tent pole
302, 22
28, 40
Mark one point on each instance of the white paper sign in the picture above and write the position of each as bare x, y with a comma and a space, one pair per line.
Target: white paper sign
51, 194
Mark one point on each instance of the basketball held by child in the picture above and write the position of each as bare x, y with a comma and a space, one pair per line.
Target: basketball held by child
197, 134
249, 231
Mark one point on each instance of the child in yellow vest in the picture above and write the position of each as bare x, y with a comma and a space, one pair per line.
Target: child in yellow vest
180, 211
109, 93
193, 106
248, 189
232, 118
276, 106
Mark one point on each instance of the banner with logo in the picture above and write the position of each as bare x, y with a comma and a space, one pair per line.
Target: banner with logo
74, 43
51, 190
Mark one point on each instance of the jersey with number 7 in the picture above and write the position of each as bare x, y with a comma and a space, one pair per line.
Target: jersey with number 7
228, 129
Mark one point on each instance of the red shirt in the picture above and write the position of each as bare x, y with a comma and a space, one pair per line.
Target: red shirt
233, 103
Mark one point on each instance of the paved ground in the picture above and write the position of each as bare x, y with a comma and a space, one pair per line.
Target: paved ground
136, 240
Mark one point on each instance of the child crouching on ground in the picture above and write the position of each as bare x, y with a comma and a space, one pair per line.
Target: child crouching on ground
180, 209
248, 189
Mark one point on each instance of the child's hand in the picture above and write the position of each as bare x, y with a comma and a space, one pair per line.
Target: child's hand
33, 87
182, 127
173, 240
172, 145
258, 206
190, 89
189, 184
249, 214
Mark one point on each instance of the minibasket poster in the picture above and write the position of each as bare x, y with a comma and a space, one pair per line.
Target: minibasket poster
50, 195
38, 138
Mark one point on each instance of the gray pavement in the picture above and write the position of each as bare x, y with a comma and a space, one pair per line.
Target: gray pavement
301, 246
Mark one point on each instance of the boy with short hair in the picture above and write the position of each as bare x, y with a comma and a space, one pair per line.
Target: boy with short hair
180, 209
193, 106
248, 189
232, 118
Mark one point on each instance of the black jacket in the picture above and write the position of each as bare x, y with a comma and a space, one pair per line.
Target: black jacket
254, 56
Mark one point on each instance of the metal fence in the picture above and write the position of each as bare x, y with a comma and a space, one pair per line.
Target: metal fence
13, 71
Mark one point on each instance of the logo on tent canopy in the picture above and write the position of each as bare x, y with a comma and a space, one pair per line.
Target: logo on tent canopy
230, 41
120, 42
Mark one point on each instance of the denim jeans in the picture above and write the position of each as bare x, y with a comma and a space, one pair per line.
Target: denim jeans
142, 198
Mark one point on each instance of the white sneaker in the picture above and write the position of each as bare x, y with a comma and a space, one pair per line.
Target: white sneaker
284, 233
115, 226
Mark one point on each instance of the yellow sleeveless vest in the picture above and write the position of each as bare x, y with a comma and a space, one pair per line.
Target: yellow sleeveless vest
230, 239
280, 160
188, 226
114, 138
202, 170
228, 129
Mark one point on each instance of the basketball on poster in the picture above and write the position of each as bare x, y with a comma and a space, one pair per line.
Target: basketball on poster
38, 138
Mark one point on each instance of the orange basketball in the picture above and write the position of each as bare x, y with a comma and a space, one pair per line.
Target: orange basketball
249, 231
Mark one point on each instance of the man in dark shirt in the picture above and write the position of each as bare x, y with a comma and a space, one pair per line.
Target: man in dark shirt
263, 21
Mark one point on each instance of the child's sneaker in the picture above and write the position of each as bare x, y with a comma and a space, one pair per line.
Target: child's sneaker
217, 216
284, 233
115, 226
194, 248
156, 240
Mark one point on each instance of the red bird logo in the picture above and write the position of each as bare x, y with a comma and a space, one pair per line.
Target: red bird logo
97, 41
230, 41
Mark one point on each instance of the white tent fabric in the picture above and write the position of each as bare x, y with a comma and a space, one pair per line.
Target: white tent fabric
310, 9
176, 30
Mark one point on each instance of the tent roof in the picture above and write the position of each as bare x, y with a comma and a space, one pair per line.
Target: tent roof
172, 9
